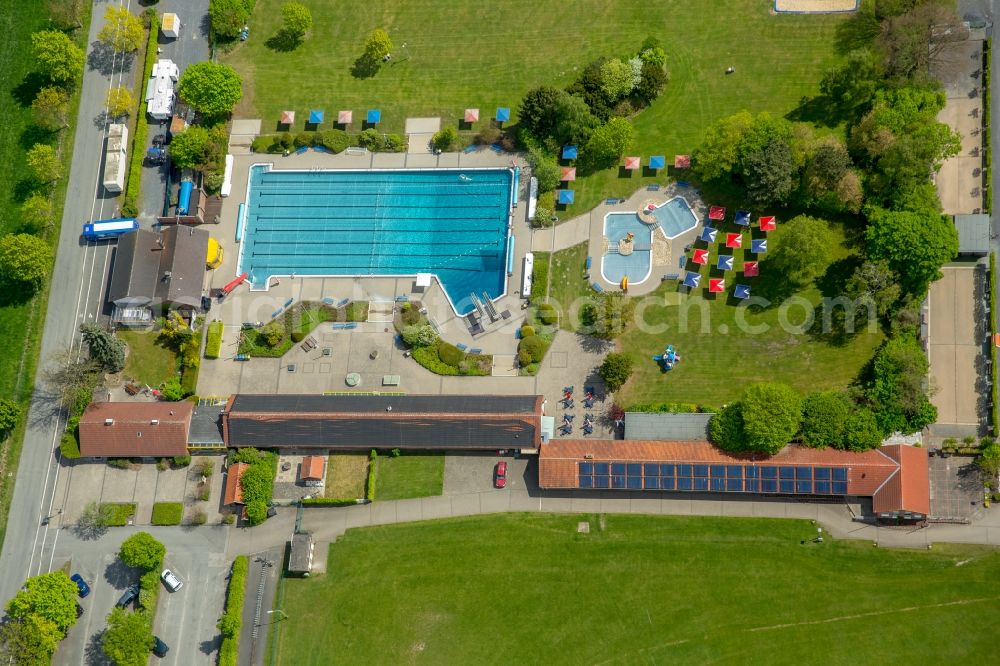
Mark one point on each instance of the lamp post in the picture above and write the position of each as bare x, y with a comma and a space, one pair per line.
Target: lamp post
284, 615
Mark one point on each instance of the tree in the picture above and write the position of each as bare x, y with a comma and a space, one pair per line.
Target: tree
802, 250
50, 109
897, 391
70, 377
616, 80
729, 142
36, 212
926, 34
378, 45
104, 348
874, 284
122, 31
229, 16
94, 520
419, 335
210, 88
573, 121
590, 86
188, 148
915, 245
51, 596
607, 315
296, 20
609, 142
30, 641
537, 111
770, 173
545, 169
445, 139
65, 14
988, 462
143, 551
10, 413
119, 102
652, 82
44, 164
771, 415
173, 391
24, 259
128, 638
725, 429
56, 55
273, 333
852, 85
615, 370
823, 417
861, 431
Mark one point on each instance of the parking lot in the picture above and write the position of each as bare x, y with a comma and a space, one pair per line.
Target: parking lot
185, 620
473, 472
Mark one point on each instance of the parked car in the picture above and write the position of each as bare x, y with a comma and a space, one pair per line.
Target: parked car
130, 595
171, 580
160, 648
500, 474
81, 584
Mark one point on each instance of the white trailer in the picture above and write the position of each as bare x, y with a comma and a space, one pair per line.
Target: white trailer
160, 89
171, 25
115, 164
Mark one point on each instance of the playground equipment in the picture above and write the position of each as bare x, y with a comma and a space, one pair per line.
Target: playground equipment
668, 358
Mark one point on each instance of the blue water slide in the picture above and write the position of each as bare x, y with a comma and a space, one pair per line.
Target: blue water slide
510, 254
517, 180
184, 198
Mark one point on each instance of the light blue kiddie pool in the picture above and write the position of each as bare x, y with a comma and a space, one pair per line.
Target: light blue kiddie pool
454, 223
675, 217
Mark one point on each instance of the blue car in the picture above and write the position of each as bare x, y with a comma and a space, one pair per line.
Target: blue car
81, 584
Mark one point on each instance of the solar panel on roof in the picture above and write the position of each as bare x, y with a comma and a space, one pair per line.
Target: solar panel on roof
751, 472
718, 485
786, 472
618, 468
651, 482
601, 469
786, 485
701, 470
821, 473
769, 472
602, 481
586, 468
734, 471
839, 474
803, 472
635, 469
667, 483
839, 487
635, 482
684, 470
822, 487
769, 486
734, 485
718, 471
586, 481
684, 483
666, 470
617, 481
804, 487
651, 469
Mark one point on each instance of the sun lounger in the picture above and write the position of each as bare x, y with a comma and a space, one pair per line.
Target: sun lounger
461, 346
402, 299
476, 329
588, 263
242, 357
320, 149
329, 301
343, 302
390, 380
596, 287
470, 149
496, 148
288, 302
351, 325
274, 315
475, 350
301, 150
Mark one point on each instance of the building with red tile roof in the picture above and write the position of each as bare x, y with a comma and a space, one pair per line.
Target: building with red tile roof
313, 470
233, 494
896, 477
135, 429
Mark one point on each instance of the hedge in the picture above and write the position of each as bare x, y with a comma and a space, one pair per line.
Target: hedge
69, 446
428, 357
372, 471
328, 501
118, 513
213, 344
149, 591
130, 203
992, 286
168, 513
231, 622
450, 354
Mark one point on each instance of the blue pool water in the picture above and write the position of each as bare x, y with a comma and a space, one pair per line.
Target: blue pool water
453, 223
636, 266
675, 217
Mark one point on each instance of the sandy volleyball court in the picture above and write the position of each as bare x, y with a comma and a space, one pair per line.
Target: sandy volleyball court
815, 6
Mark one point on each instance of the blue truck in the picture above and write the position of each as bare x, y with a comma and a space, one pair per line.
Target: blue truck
101, 229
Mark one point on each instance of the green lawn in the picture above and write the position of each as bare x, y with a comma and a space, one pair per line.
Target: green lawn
568, 285
528, 589
409, 475
725, 346
346, 475
467, 54
148, 362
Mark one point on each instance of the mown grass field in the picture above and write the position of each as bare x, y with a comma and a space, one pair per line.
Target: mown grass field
470, 54
409, 475
519, 589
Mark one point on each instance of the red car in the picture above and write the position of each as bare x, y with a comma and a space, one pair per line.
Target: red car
500, 475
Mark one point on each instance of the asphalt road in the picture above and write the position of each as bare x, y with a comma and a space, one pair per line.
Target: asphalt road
185, 620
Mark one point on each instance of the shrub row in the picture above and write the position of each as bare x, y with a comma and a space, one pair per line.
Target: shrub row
372, 471
257, 482
130, 202
168, 513
334, 140
118, 513
994, 403
149, 590
670, 408
231, 621
213, 343
328, 501
428, 357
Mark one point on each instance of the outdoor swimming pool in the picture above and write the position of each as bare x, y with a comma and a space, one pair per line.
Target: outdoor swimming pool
675, 217
449, 222
636, 266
